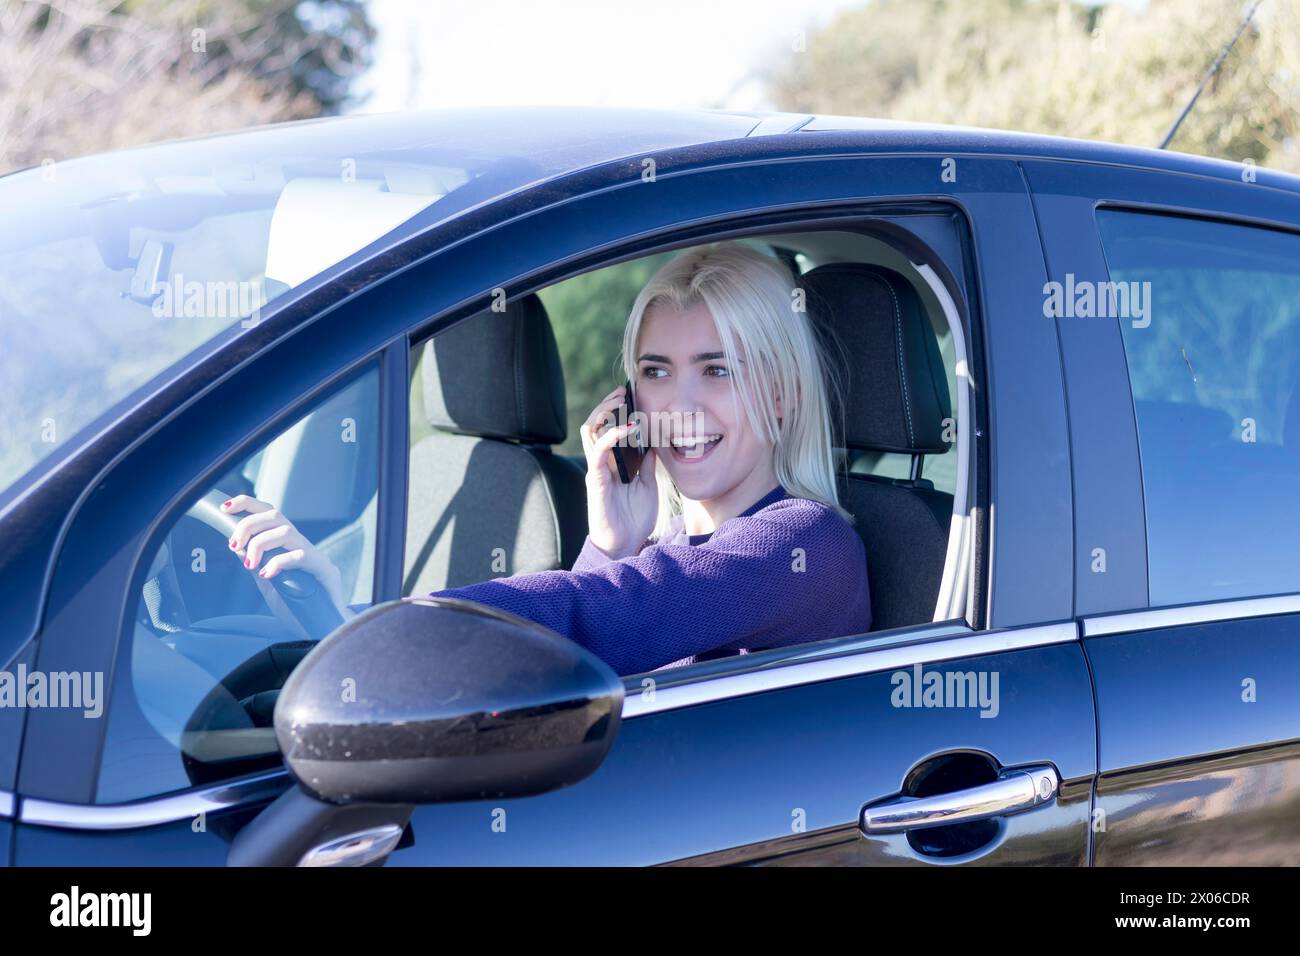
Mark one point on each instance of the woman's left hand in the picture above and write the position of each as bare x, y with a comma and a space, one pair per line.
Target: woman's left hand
265, 529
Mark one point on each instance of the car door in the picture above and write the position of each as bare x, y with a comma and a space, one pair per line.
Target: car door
1183, 416
767, 758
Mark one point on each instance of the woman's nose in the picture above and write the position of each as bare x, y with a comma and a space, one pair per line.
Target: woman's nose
683, 398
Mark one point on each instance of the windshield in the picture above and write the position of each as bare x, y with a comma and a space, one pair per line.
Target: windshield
116, 267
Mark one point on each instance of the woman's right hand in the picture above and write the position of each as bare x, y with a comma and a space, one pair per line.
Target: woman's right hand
619, 517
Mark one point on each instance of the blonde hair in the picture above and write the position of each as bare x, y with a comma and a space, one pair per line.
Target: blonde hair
751, 297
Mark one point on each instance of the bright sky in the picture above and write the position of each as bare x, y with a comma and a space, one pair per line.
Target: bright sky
670, 54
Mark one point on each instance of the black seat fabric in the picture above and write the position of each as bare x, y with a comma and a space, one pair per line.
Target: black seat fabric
487, 496
894, 398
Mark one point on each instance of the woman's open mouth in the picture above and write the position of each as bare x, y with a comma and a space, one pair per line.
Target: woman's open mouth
692, 450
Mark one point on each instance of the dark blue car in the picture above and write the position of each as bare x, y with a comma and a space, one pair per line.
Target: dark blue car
1072, 453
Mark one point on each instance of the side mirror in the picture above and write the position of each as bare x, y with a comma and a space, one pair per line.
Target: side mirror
428, 700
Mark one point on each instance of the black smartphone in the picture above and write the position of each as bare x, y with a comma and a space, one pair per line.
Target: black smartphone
628, 458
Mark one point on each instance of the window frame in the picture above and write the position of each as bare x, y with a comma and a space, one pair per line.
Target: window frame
884, 220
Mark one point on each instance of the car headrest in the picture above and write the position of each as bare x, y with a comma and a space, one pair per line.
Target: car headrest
497, 375
895, 391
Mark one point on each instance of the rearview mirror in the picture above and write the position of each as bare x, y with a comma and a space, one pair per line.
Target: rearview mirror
428, 700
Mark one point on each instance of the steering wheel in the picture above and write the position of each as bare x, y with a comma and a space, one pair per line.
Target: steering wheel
302, 594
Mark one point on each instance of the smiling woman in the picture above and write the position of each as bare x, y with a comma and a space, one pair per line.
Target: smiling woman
751, 522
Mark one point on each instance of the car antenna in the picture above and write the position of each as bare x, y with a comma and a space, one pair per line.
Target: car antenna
1209, 75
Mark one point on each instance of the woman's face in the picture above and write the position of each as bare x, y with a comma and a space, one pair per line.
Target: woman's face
681, 371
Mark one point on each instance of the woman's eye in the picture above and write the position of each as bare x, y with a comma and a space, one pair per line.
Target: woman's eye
650, 370
719, 371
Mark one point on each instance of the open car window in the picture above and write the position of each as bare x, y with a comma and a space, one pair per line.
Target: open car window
497, 472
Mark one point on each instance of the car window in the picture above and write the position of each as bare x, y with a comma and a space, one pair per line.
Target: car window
1211, 335
207, 653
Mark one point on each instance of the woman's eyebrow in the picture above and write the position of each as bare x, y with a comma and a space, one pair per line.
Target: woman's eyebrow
701, 357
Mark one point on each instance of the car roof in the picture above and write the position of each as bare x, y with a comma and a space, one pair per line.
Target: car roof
605, 131
566, 139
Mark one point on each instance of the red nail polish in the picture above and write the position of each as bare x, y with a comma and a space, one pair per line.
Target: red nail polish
226, 505
248, 563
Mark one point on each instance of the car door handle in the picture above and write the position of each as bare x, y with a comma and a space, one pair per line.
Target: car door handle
1015, 791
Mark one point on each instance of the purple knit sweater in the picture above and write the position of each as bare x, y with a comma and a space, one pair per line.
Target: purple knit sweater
785, 571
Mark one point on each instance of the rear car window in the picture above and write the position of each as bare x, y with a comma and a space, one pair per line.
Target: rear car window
1214, 360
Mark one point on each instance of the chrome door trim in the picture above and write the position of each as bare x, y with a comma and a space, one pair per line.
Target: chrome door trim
834, 663
1156, 618
848, 658
1015, 791
157, 811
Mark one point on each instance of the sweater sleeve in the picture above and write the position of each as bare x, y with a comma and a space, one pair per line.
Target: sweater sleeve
590, 558
753, 583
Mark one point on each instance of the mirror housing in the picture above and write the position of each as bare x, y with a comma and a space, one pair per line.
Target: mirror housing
431, 700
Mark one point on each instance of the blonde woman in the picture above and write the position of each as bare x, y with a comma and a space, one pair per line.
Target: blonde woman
731, 537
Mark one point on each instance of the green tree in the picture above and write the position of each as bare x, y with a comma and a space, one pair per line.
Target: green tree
1064, 68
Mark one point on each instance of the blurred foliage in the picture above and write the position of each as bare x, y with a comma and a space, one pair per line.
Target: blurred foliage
316, 47
84, 76
1058, 67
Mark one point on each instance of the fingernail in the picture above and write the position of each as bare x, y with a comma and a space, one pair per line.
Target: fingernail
232, 544
226, 505
248, 563
262, 573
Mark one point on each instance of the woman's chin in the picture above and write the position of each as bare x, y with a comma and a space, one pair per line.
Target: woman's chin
698, 484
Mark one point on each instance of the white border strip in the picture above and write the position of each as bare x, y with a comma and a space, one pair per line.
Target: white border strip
150, 813
1190, 614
